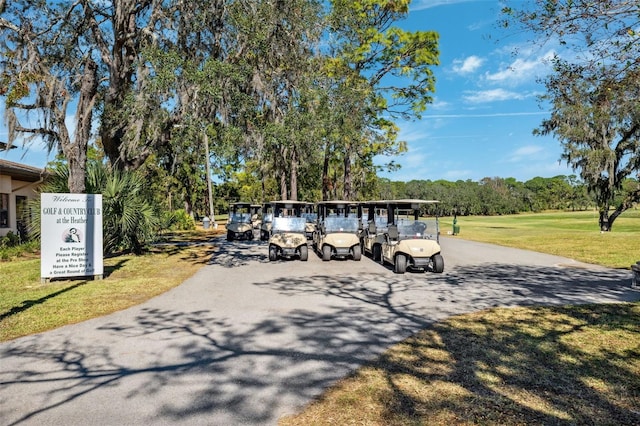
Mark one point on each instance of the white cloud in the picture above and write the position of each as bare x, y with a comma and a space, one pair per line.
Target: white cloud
439, 105
467, 65
522, 70
525, 153
493, 95
428, 4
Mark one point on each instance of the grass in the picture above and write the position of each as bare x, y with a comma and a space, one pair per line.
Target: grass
522, 366
571, 234
27, 306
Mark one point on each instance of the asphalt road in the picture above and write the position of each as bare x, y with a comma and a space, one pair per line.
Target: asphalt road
246, 341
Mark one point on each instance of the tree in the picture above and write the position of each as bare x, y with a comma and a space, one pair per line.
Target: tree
45, 66
593, 96
369, 57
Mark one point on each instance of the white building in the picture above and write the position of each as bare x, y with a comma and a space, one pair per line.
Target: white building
18, 185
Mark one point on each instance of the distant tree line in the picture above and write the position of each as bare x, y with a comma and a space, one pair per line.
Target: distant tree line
498, 196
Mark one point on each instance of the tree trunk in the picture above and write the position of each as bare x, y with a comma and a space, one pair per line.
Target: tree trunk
347, 190
605, 225
119, 59
325, 174
76, 151
294, 175
283, 185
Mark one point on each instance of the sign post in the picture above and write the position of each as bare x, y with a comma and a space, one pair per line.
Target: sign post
71, 236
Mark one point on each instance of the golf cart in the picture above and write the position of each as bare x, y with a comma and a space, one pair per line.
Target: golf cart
288, 237
337, 233
312, 219
256, 213
265, 224
239, 225
374, 214
409, 242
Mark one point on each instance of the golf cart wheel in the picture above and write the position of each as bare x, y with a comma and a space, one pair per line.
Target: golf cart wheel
304, 253
400, 265
249, 235
263, 236
273, 253
438, 263
229, 235
326, 253
356, 252
376, 252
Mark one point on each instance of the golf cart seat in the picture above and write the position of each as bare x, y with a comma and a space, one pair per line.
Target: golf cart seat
392, 233
372, 228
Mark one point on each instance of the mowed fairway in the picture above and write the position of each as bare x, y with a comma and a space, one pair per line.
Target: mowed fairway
571, 234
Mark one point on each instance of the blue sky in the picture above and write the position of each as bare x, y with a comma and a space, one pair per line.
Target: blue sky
485, 105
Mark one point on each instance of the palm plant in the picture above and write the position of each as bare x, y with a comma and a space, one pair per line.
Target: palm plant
129, 219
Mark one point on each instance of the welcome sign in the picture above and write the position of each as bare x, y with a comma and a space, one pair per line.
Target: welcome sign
71, 235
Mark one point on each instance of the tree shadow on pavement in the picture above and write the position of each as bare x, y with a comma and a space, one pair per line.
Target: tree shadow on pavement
204, 366
233, 254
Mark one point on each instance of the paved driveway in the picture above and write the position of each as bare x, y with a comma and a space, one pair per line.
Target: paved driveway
245, 341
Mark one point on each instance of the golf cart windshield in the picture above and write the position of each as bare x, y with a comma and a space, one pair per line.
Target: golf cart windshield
268, 217
408, 228
381, 222
310, 217
289, 224
341, 224
241, 218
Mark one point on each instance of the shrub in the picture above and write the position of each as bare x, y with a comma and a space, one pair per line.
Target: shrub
183, 221
9, 240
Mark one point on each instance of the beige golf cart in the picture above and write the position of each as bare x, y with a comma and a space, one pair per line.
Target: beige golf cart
239, 224
374, 218
265, 224
288, 237
311, 216
337, 233
411, 242
256, 216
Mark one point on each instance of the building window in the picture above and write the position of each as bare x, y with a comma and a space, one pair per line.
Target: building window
4, 210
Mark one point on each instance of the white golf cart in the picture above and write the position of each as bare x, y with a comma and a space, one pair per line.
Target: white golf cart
337, 233
239, 224
410, 243
288, 238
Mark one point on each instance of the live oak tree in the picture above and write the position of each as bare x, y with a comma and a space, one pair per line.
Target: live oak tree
148, 80
45, 66
593, 93
55, 54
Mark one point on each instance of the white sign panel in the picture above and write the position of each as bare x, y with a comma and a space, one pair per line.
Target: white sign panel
71, 235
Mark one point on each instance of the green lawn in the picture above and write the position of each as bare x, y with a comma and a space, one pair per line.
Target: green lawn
28, 306
571, 234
